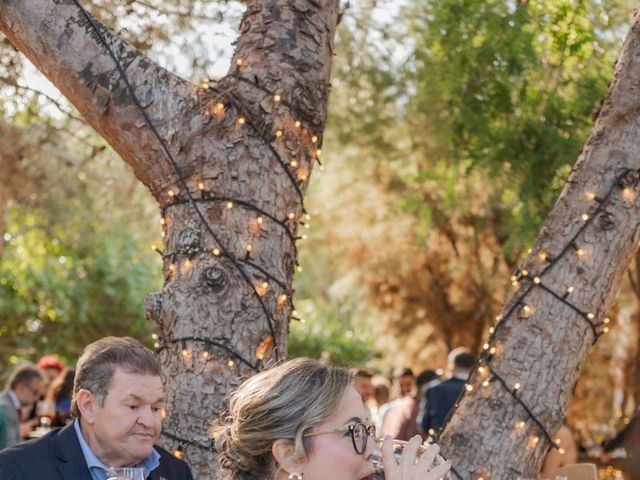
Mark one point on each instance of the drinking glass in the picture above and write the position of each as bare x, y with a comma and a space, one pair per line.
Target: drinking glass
125, 473
398, 448
46, 411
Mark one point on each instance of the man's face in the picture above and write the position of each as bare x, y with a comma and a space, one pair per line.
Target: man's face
364, 386
122, 433
407, 385
29, 393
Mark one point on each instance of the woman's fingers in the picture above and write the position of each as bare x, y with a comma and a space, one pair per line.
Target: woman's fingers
391, 467
429, 454
438, 471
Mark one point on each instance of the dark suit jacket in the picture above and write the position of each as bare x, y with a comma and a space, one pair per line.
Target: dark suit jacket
58, 456
440, 399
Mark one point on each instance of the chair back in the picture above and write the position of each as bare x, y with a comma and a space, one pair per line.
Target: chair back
576, 471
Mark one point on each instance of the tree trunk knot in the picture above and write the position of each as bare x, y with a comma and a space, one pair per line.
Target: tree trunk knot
189, 241
628, 178
606, 221
215, 279
495, 404
460, 440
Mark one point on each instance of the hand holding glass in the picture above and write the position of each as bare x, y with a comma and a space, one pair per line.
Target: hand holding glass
398, 449
125, 474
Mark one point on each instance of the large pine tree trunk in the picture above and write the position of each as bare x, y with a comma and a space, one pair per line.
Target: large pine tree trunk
545, 331
244, 150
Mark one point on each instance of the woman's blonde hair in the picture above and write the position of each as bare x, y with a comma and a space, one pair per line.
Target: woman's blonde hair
284, 402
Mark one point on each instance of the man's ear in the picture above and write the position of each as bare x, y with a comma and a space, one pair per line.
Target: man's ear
283, 452
87, 404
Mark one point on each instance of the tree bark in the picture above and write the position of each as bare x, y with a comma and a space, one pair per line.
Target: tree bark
244, 149
543, 347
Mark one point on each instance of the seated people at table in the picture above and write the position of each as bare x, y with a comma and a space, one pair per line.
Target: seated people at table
23, 390
117, 401
302, 419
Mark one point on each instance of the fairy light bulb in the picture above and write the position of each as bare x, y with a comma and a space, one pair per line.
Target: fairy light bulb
318, 152
259, 220
606, 320
525, 273
293, 163
516, 386
314, 139
172, 267
241, 120
297, 124
491, 330
281, 299
537, 280
278, 133
628, 194
590, 195
493, 350
201, 186
178, 453
239, 62
230, 363
249, 248
219, 108
216, 251
569, 289
171, 193
154, 336
581, 253
469, 388
481, 369
542, 256
605, 330
163, 221
533, 441
585, 217
261, 288
561, 451
291, 215
299, 269
590, 316
485, 346
205, 355
229, 205
277, 98
520, 424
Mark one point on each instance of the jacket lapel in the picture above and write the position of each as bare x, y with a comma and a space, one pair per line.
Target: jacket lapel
71, 462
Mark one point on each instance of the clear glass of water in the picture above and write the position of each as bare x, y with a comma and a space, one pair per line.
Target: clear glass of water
125, 473
398, 448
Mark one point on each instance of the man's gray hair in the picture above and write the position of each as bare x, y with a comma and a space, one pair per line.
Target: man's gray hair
99, 361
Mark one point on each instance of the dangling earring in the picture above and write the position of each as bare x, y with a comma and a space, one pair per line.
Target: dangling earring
295, 476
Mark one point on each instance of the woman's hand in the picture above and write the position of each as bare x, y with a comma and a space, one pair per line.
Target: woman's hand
412, 466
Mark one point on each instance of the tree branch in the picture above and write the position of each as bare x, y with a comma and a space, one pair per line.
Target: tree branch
63, 44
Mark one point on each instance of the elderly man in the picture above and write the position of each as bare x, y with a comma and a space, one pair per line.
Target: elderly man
23, 389
118, 402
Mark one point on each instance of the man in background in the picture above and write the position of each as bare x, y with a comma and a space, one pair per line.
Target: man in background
440, 399
23, 389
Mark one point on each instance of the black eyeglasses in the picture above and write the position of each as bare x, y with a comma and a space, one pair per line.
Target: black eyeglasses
359, 433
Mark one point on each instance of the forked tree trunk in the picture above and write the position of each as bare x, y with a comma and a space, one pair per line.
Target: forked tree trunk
244, 150
545, 331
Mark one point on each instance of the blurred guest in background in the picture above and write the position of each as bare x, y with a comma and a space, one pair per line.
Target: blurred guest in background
23, 390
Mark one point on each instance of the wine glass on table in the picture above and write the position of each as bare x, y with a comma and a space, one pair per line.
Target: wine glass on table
46, 412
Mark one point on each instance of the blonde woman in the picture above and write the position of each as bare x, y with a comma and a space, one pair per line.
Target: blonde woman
304, 420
